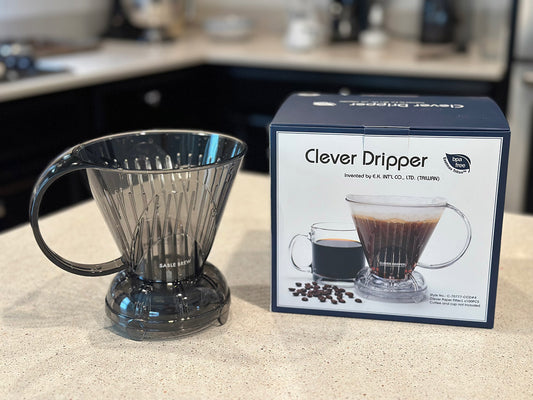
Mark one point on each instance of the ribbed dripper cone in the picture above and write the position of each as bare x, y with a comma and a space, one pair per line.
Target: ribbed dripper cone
163, 205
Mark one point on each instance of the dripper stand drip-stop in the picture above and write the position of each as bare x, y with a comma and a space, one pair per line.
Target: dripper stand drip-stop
158, 310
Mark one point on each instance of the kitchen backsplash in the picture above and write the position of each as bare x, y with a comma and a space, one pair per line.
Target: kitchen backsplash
26, 8
88, 18
80, 19
266, 14
53, 18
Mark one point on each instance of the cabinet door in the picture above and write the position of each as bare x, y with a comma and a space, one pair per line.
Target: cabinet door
34, 131
171, 100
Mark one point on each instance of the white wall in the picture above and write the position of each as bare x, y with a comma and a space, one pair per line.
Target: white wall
82, 18
53, 18
29, 8
79, 18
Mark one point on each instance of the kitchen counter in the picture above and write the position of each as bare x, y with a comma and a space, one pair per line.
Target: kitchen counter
116, 59
56, 341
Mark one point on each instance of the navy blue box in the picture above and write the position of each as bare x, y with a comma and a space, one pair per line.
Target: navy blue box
388, 207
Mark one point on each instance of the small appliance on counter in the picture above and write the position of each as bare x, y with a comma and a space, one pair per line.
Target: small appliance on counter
147, 20
305, 30
374, 36
438, 21
445, 28
162, 194
17, 61
19, 57
348, 18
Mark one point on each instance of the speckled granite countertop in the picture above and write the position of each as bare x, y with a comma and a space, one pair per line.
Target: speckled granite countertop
56, 341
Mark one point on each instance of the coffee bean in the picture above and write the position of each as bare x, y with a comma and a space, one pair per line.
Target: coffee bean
323, 293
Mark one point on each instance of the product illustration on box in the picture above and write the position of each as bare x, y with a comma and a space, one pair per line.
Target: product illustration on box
394, 231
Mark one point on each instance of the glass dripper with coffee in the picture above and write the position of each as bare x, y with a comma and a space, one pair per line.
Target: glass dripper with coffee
162, 194
394, 231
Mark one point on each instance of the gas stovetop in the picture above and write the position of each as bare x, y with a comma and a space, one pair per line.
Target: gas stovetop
19, 57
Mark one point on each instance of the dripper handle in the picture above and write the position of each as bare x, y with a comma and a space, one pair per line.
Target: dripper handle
465, 246
62, 165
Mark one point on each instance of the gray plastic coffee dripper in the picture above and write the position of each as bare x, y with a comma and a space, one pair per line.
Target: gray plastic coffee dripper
162, 194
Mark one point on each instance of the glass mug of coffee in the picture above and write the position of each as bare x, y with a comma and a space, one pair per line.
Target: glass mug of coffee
394, 231
337, 254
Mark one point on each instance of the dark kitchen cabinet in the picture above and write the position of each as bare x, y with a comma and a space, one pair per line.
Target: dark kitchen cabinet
33, 132
178, 99
38, 129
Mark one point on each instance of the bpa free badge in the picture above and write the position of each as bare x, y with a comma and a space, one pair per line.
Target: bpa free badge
458, 163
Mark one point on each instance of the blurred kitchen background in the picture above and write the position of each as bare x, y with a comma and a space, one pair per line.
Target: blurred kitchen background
71, 70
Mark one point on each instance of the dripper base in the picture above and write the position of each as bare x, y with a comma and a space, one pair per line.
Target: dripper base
143, 310
411, 290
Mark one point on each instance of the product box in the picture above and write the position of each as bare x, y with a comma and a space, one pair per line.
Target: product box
388, 207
